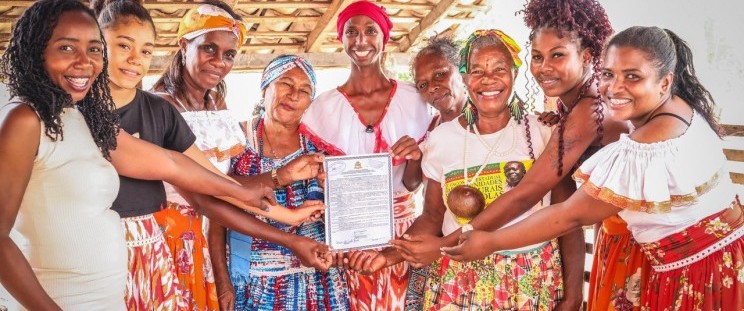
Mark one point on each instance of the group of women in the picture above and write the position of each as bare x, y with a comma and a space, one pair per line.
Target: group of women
237, 225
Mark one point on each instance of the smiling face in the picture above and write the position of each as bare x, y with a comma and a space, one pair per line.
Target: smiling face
490, 78
558, 64
73, 57
363, 40
438, 81
209, 58
130, 44
631, 85
514, 171
287, 97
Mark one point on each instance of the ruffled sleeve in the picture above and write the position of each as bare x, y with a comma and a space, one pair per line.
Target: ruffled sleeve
651, 178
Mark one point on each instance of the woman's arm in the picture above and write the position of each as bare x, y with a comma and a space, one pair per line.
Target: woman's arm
19, 141
310, 252
407, 148
573, 253
543, 176
139, 159
262, 185
546, 224
218, 252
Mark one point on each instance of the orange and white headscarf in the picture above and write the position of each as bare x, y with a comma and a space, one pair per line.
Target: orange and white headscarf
207, 18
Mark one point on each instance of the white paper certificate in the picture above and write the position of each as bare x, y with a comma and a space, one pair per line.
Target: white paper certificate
359, 201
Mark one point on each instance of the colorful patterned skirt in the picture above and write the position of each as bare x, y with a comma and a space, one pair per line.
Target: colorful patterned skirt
700, 268
530, 280
182, 229
303, 289
386, 288
618, 270
151, 281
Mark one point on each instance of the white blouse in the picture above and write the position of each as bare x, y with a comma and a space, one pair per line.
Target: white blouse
332, 120
662, 187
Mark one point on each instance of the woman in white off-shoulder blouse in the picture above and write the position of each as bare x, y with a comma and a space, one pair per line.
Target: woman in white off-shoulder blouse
668, 180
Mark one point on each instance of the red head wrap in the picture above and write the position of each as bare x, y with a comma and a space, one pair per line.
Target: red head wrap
369, 9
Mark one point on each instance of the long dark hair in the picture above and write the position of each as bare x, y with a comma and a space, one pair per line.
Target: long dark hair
669, 53
22, 69
171, 81
109, 12
587, 20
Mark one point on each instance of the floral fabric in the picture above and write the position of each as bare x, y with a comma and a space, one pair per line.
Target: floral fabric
618, 270
715, 281
531, 280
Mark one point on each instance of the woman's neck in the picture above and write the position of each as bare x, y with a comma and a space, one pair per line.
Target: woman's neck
277, 129
366, 80
571, 97
121, 96
195, 95
454, 111
492, 124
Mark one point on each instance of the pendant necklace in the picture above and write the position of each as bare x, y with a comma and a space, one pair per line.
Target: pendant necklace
466, 201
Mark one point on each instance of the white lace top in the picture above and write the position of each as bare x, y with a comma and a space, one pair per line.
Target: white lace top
218, 135
662, 187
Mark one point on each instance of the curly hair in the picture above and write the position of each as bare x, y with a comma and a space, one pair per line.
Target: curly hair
586, 21
171, 81
110, 12
442, 46
669, 53
22, 67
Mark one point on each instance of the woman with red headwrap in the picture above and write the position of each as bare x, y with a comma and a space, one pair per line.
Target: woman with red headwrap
371, 113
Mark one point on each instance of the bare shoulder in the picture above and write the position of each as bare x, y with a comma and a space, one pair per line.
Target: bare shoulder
665, 126
19, 118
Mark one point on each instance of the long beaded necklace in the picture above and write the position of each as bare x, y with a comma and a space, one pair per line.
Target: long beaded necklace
466, 201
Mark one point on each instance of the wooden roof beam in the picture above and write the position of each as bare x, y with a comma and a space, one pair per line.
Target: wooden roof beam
436, 14
239, 4
325, 24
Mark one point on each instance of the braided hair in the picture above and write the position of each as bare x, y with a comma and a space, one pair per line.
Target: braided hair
669, 53
22, 67
588, 22
171, 81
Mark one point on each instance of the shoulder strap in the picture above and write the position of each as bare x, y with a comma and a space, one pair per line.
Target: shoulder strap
671, 115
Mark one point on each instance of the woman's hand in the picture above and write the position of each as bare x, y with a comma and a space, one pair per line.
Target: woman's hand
301, 168
406, 148
548, 118
365, 262
474, 245
419, 250
311, 253
310, 211
225, 294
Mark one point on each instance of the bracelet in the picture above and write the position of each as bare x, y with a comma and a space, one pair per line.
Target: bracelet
275, 179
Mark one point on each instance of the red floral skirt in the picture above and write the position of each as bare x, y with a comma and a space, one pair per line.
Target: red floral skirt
700, 268
619, 269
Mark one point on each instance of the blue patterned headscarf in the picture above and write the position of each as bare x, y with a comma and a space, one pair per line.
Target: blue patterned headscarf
280, 65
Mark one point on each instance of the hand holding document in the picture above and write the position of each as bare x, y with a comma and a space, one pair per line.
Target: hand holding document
359, 201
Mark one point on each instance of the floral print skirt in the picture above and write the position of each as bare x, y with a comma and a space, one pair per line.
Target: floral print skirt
700, 268
530, 280
618, 270
151, 281
182, 229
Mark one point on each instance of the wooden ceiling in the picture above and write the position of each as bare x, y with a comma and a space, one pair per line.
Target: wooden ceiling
288, 26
